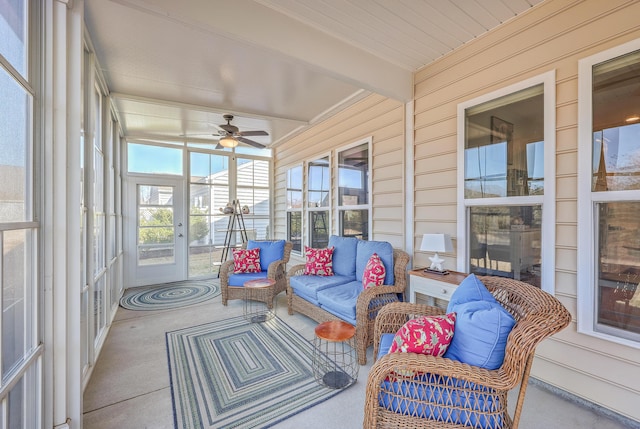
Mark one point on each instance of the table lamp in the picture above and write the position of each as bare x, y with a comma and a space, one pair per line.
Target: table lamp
436, 243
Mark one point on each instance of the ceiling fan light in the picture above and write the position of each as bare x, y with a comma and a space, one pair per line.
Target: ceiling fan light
228, 142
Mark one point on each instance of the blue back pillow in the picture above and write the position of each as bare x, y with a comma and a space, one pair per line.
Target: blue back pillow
270, 251
384, 251
344, 255
482, 326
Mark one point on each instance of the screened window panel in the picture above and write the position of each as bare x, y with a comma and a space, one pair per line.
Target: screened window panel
15, 135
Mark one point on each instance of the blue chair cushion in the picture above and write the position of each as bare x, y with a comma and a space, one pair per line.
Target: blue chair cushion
344, 255
385, 344
481, 333
470, 289
449, 393
270, 251
308, 287
383, 249
341, 300
239, 279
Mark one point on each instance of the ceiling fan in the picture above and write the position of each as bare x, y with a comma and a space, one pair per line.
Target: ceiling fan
230, 135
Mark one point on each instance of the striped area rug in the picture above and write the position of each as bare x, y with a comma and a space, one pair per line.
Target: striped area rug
243, 375
170, 295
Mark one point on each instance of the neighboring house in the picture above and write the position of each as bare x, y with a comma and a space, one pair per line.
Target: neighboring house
413, 182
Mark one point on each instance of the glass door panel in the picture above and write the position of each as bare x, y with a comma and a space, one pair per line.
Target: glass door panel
159, 232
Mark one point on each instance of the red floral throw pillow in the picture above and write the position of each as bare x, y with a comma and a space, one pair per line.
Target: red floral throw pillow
374, 272
246, 261
429, 335
319, 261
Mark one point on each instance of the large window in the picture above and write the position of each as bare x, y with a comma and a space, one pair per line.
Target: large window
294, 207
208, 192
353, 191
506, 182
319, 202
337, 200
20, 336
609, 183
253, 190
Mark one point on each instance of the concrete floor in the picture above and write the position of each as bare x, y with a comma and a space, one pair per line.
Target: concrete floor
129, 386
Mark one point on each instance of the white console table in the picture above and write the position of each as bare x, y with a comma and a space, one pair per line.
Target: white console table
433, 285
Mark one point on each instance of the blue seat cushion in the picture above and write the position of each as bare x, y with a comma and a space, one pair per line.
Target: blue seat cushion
468, 399
470, 289
270, 251
308, 286
481, 333
239, 279
385, 252
344, 255
341, 300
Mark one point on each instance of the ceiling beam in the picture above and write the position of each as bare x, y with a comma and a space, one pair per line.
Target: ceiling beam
258, 25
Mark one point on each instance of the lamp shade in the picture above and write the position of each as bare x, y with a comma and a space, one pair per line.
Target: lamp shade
228, 142
436, 243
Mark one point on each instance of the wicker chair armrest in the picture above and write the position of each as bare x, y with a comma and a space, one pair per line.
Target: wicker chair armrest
225, 270
400, 262
275, 268
296, 270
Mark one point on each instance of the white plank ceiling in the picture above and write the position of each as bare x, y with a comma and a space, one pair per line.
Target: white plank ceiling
173, 68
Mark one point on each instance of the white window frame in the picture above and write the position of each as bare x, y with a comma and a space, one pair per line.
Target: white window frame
547, 201
298, 210
308, 209
588, 200
336, 190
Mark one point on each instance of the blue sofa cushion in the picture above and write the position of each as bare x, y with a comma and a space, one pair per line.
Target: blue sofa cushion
471, 289
308, 287
239, 279
482, 329
270, 251
385, 252
469, 396
344, 255
341, 300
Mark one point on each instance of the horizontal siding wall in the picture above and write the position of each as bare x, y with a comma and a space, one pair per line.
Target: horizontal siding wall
377, 117
552, 36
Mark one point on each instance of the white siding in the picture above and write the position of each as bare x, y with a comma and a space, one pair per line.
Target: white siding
553, 35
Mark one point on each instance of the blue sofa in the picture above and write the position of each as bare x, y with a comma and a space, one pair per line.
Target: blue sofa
341, 296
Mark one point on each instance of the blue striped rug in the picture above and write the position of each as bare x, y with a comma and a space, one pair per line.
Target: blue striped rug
170, 295
234, 374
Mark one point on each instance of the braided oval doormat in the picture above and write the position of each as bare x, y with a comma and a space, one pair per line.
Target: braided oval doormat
170, 295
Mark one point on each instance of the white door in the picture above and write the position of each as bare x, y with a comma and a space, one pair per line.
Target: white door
156, 231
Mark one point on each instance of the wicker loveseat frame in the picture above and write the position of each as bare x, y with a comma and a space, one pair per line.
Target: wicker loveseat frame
369, 303
480, 395
277, 270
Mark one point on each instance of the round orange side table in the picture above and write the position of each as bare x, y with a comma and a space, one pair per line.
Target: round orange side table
257, 294
335, 359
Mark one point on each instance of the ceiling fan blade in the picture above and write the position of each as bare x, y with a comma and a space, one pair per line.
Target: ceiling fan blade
251, 142
253, 133
197, 135
219, 146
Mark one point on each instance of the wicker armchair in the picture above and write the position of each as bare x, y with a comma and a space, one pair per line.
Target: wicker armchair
370, 301
277, 270
459, 395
